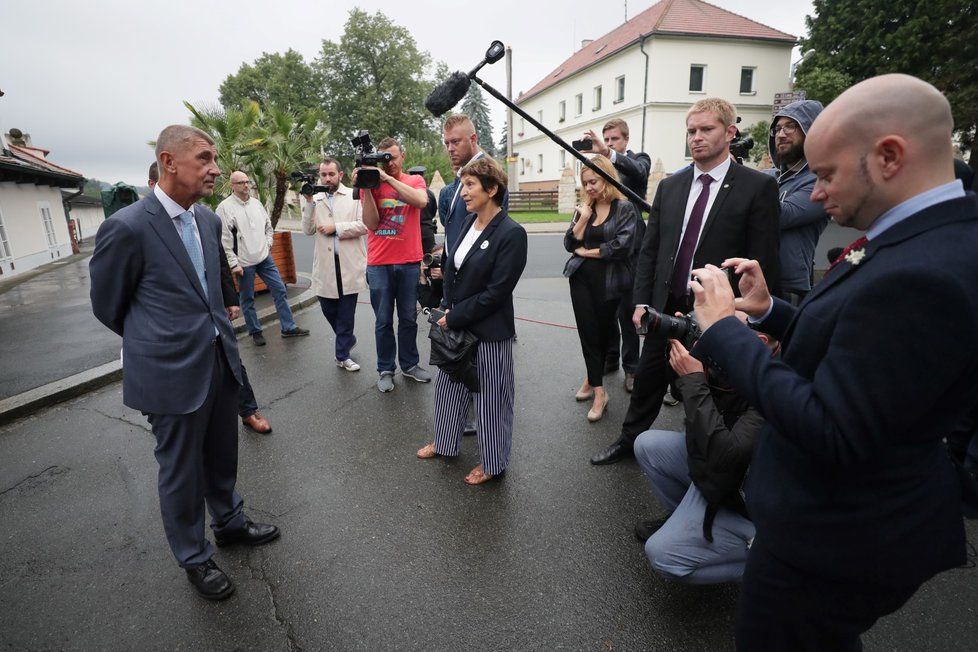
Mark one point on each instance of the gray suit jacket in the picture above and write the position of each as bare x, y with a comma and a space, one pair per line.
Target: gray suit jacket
145, 288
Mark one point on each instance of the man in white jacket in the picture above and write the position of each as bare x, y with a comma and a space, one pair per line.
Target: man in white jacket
247, 222
339, 264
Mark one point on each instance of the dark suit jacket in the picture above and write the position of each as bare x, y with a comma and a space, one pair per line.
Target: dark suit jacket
743, 221
633, 169
851, 480
453, 216
145, 288
480, 293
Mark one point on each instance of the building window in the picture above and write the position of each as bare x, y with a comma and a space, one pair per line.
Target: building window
597, 99
48, 225
579, 104
4, 243
562, 111
697, 78
540, 116
563, 159
620, 89
522, 127
539, 162
688, 153
747, 81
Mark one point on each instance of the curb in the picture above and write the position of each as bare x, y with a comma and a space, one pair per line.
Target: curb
36, 399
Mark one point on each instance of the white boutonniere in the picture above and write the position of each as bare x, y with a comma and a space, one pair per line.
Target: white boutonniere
855, 256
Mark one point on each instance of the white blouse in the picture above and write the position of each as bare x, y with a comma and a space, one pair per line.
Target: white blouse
463, 247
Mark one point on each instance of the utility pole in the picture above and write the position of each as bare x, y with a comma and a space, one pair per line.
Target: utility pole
511, 167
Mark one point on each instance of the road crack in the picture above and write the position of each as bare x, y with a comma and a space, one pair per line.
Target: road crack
124, 420
37, 478
260, 573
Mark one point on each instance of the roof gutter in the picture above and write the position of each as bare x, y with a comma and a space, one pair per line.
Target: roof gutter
645, 91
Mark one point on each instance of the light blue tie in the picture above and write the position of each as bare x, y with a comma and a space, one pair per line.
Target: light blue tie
193, 248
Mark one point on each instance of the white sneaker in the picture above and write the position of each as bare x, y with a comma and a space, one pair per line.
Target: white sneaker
348, 364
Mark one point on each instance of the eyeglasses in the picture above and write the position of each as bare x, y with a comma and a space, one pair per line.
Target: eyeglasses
788, 128
238, 183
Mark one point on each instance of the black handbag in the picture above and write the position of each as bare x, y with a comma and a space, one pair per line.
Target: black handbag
453, 351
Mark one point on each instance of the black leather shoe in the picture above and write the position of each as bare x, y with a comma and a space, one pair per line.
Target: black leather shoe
645, 529
210, 581
252, 534
611, 454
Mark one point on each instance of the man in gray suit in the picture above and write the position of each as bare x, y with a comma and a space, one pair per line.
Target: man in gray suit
156, 281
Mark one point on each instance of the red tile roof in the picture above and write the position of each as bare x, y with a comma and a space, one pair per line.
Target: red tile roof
676, 17
28, 156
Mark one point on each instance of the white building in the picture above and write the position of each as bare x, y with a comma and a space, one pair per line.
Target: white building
648, 72
33, 227
86, 213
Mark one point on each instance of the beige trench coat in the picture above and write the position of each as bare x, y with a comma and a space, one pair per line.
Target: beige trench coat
351, 237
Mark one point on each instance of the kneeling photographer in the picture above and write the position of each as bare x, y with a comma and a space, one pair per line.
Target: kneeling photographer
480, 274
697, 475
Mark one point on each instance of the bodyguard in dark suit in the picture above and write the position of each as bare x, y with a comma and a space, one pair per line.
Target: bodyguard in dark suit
633, 170
703, 214
851, 489
156, 281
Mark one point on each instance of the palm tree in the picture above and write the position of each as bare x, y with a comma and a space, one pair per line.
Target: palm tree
233, 132
284, 142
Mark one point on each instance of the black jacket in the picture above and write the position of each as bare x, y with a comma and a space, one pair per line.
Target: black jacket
721, 429
743, 222
633, 169
480, 293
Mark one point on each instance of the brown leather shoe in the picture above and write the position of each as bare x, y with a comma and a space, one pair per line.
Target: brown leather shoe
257, 423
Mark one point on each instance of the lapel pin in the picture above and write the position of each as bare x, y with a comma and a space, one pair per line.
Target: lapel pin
726, 185
485, 244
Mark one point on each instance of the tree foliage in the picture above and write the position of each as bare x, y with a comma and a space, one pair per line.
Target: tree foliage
474, 105
822, 84
759, 131
282, 80
374, 79
932, 40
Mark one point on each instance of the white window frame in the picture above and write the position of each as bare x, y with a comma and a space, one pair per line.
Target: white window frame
47, 223
579, 104
563, 159
619, 89
5, 253
540, 116
753, 80
540, 163
561, 110
702, 90
596, 97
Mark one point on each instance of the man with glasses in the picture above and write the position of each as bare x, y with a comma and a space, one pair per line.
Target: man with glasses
247, 224
802, 220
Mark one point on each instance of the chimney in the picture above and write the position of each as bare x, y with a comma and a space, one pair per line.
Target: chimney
586, 42
17, 137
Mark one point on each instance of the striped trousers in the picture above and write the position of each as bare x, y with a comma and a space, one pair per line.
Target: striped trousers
493, 407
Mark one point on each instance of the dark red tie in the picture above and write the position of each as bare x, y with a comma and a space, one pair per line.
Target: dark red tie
845, 252
684, 259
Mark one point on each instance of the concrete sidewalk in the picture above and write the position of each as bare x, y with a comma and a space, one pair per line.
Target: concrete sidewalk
532, 228
52, 346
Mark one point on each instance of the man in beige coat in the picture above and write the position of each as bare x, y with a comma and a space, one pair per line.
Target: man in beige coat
339, 263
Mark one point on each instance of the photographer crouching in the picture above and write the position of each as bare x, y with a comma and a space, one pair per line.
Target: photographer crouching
697, 475
480, 275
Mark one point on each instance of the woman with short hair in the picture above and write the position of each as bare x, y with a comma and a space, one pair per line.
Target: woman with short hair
480, 273
600, 272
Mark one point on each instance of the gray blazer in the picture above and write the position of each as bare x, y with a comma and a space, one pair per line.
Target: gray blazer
145, 288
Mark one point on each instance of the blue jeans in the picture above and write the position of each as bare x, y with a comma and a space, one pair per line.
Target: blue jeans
390, 284
678, 550
268, 272
341, 315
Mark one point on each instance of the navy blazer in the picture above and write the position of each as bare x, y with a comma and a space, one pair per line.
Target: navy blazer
850, 479
743, 222
145, 288
453, 216
479, 294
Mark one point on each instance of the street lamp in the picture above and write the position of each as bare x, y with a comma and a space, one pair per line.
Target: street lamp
794, 67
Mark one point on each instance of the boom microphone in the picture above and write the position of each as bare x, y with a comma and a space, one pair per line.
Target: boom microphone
447, 94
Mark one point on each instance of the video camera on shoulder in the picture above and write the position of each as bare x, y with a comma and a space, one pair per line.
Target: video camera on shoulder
309, 183
741, 145
366, 161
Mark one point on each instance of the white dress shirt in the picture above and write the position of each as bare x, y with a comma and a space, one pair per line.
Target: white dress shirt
718, 173
462, 250
175, 210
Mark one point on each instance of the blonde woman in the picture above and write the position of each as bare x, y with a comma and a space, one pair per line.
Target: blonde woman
600, 272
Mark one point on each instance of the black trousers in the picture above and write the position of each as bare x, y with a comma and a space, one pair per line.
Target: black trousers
785, 609
628, 344
652, 378
247, 403
595, 317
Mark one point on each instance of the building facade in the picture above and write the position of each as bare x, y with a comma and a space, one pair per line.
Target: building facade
648, 72
33, 223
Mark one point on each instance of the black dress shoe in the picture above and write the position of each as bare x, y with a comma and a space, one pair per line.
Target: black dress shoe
258, 338
645, 529
611, 454
252, 534
210, 581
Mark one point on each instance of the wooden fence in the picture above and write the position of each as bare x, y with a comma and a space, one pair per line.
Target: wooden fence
533, 200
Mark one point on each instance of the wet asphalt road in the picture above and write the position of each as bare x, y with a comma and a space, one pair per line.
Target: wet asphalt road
379, 550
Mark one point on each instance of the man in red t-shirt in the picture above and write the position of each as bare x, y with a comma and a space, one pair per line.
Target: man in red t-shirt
392, 214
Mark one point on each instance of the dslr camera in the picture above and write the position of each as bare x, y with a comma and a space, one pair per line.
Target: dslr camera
685, 328
310, 185
366, 160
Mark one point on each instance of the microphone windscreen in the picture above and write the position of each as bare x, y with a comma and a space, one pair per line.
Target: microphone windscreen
447, 94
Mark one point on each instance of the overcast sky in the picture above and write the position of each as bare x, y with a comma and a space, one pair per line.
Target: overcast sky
93, 82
